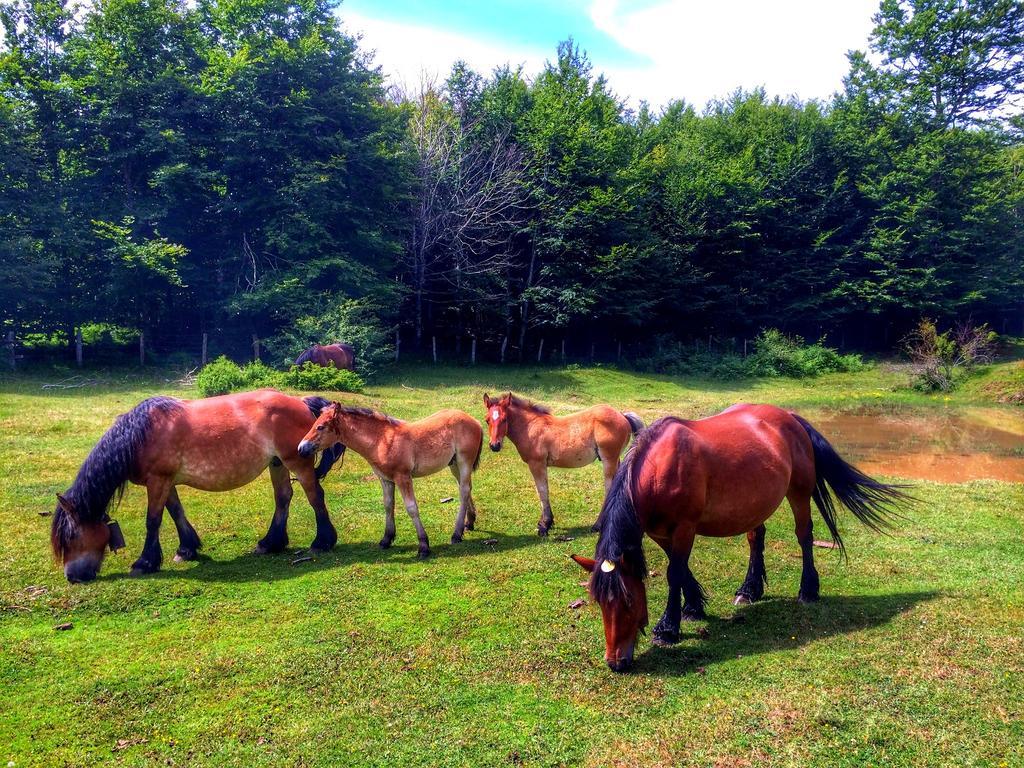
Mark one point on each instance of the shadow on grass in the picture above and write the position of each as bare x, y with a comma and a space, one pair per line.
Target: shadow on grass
252, 567
774, 624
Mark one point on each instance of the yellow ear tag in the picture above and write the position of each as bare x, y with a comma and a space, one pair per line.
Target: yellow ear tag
607, 566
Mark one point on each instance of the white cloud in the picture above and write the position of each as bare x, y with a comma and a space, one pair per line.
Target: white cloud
700, 51
407, 52
691, 49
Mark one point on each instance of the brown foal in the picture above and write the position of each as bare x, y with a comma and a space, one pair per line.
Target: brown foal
398, 451
544, 440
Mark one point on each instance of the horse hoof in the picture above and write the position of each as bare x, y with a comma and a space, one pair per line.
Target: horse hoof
807, 599
136, 572
693, 616
456, 539
184, 555
595, 528
423, 554
385, 543
319, 546
469, 525
743, 600
542, 531
665, 639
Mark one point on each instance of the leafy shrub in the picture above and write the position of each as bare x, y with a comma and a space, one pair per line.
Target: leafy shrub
223, 376
357, 322
942, 360
776, 354
317, 378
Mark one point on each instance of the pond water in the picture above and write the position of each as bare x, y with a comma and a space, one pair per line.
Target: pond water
942, 446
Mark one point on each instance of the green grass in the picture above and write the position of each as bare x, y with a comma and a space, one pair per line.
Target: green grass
474, 657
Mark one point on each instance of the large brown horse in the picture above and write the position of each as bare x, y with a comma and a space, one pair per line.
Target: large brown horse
217, 444
398, 451
339, 355
720, 476
598, 433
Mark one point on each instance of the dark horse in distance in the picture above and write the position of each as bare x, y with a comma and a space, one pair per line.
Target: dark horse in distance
720, 476
216, 444
339, 355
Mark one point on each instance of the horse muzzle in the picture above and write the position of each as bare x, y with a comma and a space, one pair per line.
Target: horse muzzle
622, 663
496, 446
82, 570
307, 448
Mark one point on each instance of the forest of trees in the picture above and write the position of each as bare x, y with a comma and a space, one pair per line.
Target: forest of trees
238, 167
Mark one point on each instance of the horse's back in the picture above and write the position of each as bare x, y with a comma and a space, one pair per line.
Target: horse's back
221, 443
729, 471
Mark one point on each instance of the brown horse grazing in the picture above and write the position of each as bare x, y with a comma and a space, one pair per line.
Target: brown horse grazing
398, 451
339, 355
543, 440
216, 444
720, 476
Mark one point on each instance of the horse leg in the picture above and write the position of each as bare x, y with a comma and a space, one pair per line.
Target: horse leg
326, 536
157, 491
610, 466
188, 539
404, 484
464, 474
539, 470
277, 536
686, 597
805, 535
752, 588
388, 489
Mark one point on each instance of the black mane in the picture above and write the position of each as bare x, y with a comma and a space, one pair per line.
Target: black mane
621, 534
306, 356
529, 405
104, 473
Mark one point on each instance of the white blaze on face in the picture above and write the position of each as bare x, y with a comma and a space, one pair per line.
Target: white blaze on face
494, 415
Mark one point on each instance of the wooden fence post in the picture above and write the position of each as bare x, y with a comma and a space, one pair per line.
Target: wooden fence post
540, 349
563, 351
472, 352
78, 347
433, 347
204, 350
504, 344
256, 347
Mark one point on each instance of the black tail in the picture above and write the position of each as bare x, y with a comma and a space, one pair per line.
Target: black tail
635, 423
872, 502
331, 455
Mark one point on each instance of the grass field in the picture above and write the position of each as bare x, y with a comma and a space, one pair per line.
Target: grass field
914, 656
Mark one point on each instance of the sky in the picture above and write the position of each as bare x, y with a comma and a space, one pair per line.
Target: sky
650, 50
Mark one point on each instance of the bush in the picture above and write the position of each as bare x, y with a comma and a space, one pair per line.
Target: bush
942, 360
222, 376
775, 355
357, 322
317, 378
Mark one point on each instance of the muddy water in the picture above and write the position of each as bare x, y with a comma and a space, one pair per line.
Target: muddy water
942, 446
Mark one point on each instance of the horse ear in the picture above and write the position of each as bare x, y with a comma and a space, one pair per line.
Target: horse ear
65, 504
506, 398
487, 400
585, 563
